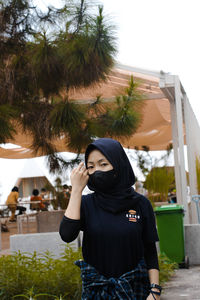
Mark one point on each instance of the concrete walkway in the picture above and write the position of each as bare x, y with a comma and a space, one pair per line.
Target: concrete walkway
184, 285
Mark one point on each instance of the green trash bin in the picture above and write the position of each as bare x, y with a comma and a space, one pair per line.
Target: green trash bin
169, 219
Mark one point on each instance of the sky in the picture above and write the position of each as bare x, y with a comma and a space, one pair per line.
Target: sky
154, 35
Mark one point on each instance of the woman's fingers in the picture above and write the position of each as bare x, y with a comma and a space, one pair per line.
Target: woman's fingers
79, 176
85, 173
81, 168
77, 169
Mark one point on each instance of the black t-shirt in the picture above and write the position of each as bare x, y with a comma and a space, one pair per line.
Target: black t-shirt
114, 243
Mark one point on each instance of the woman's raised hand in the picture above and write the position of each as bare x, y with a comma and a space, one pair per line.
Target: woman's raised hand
79, 177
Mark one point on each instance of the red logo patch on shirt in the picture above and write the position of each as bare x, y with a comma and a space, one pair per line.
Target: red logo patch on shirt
132, 216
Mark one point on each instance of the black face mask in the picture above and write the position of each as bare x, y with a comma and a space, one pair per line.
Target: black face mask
102, 181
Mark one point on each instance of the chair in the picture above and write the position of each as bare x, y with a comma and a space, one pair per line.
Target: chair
4, 212
35, 205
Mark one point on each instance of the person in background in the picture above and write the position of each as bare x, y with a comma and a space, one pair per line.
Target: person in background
66, 193
66, 190
118, 224
36, 197
12, 203
172, 196
43, 194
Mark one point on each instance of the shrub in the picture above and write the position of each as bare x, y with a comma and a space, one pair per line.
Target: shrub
167, 268
35, 274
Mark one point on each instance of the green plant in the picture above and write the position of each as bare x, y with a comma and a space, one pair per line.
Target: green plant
198, 173
32, 275
159, 177
167, 268
159, 180
30, 295
59, 297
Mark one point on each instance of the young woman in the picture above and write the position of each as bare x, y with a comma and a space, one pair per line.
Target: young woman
118, 224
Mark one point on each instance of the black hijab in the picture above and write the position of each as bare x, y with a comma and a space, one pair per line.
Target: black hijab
122, 196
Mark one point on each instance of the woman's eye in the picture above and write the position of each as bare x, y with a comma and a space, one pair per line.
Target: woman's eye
90, 167
104, 164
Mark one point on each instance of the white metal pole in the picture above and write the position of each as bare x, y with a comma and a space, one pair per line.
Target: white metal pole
175, 149
179, 117
191, 154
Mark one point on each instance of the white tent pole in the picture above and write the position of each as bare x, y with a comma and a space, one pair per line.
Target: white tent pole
170, 85
175, 149
191, 154
181, 162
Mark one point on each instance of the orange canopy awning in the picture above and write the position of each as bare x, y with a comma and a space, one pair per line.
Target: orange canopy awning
154, 131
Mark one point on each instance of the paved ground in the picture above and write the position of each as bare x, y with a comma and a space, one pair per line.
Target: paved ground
5, 236
184, 285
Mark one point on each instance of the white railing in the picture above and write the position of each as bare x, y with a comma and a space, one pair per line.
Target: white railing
196, 199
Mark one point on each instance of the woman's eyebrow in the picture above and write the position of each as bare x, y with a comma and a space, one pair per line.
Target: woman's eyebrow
99, 161
102, 159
